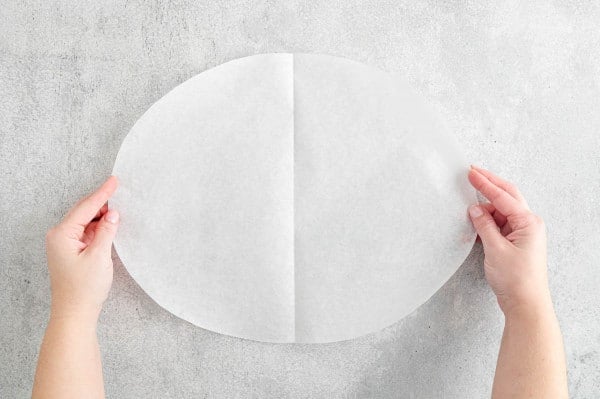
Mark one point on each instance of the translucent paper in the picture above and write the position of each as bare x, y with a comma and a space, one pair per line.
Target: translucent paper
291, 198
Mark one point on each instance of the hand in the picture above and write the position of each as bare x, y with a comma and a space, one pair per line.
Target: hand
514, 242
79, 256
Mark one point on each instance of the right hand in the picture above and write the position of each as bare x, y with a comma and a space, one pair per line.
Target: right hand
514, 242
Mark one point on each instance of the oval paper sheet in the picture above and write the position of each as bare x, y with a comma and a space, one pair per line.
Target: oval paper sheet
291, 198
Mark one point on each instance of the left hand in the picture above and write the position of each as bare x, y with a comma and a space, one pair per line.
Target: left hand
79, 256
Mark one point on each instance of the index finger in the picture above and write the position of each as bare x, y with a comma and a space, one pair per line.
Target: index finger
505, 203
87, 209
500, 182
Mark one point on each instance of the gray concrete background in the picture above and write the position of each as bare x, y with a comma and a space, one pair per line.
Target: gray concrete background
519, 85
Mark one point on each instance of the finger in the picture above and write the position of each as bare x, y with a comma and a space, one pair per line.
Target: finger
498, 217
89, 233
485, 226
105, 232
506, 229
102, 211
500, 182
505, 203
86, 209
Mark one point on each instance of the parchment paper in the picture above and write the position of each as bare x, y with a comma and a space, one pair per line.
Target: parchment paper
291, 198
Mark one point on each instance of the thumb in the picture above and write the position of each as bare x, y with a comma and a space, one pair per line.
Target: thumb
485, 225
106, 229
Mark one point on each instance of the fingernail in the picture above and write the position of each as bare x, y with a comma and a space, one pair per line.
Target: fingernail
112, 216
475, 211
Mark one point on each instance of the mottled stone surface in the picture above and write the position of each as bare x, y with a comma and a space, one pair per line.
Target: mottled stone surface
519, 85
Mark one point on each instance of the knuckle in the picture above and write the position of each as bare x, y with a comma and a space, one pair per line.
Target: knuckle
488, 223
538, 221
531, 219
487, 187
55, 235
526, 219
106, 227
52, 233
523, 218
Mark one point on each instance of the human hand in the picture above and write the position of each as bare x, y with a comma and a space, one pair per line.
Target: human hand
79, 256
514, 242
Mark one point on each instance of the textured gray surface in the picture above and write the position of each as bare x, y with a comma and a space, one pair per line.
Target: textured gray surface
518, 83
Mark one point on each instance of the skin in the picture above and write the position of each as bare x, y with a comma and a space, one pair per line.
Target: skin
81, 271
531, 363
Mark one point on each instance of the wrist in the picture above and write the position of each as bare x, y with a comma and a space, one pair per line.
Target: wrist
531, 310
81, 313
72, 328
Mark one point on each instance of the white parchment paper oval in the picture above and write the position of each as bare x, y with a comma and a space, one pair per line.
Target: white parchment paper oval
291, 198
